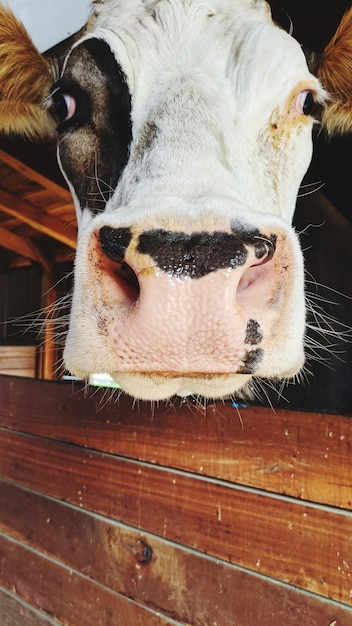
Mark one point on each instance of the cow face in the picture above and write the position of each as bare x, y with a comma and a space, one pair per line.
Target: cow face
184, 133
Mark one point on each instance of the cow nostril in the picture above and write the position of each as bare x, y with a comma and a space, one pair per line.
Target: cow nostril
264, 249
124, 280
114, 244
259, 271
128, 280
252, 276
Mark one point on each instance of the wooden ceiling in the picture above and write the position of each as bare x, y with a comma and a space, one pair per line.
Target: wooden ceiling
37, 216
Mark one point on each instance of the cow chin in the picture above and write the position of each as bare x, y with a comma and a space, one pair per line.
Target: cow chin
154, 387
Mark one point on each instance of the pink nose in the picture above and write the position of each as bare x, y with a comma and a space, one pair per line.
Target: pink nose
183, 303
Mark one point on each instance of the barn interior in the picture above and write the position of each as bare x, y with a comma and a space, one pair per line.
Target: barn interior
122, 513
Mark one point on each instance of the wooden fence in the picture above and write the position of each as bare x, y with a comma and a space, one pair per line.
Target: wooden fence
114, 513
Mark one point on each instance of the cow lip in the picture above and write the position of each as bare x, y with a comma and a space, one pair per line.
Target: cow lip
156, 387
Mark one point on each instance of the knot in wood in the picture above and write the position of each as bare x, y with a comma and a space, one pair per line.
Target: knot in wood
144, 553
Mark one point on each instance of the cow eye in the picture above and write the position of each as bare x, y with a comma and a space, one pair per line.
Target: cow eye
305, 102
64, 104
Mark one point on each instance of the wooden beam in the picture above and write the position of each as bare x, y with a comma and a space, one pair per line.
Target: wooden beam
27, 171
49, 353
49, 225
17, 244
25, 247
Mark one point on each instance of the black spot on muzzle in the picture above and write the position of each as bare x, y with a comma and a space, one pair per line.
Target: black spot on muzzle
200, 253
114, 242
254, 333
193, 256
251, 362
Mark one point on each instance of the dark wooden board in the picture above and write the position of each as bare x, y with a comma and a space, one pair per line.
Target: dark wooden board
74, 599
263, 533
15, 612
190, 587
306, 456
172, 513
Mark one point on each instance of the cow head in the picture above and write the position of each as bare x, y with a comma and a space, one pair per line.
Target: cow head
184, 131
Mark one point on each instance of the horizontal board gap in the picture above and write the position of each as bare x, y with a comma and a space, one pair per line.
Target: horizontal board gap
83, 576
187, 474
150, 535
29, 607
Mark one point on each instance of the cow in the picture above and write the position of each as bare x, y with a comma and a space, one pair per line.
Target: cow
184, 131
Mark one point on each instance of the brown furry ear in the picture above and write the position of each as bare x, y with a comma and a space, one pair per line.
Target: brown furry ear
25, 81
335, 73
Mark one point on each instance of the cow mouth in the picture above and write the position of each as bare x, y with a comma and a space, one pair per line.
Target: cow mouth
161, 386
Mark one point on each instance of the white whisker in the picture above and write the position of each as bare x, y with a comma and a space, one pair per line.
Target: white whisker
310, 225
311, 188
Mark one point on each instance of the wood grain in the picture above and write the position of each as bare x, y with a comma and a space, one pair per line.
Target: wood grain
191, 587
306, 456
25, 247
263, 533
71, 597
196, 516
18, 360
14, 612
31, 174
44, 223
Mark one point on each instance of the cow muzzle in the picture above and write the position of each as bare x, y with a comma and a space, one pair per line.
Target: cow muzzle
166, 305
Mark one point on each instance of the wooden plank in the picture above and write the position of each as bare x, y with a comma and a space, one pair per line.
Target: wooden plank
8, 352
43, 222
17, 362
33, 161
48, 201
156, 572
70, 597
22, 372
283, 452
24, 247
15, 182
18, 351
263, 533
15, 612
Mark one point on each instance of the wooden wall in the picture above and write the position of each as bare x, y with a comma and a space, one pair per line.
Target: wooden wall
18, 360
114, 514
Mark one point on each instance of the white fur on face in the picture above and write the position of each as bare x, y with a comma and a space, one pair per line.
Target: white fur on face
218, 138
